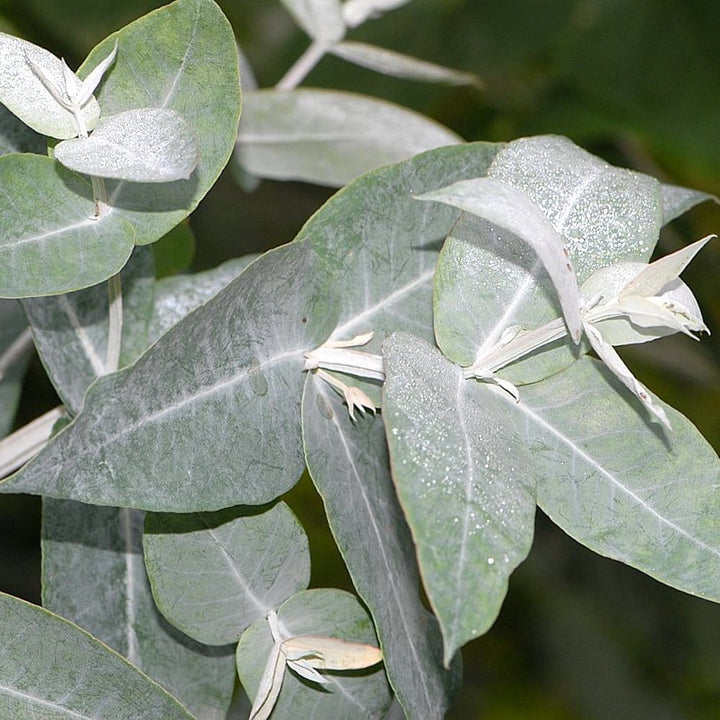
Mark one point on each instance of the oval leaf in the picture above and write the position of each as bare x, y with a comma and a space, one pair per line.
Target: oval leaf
213, 575
628, 490
144, 145
24, 93
329, 137
64, 247
320, 19
465, 481
44, 682
181, 57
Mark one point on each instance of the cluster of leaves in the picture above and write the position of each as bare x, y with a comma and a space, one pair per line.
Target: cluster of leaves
475, 277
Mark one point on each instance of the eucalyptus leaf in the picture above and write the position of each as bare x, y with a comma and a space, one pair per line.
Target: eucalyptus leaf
623, 488
348, 695
389, 62
465, 480
16, 137
210, 415
327, 136
488, 280
348, 462
71, 331
181, 57
177, 295
678, 200
68, 674
15, 349
320, 19
356, 12
63, 248
143, 145
93, 574
214, 575
24, 93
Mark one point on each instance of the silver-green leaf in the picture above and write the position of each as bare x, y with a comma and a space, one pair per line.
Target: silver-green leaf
349, 464
327, 136
213, 575
154, 145
93, 574
68, 674
464, 479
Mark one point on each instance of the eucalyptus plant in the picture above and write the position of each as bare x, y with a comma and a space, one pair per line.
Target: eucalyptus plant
421, 349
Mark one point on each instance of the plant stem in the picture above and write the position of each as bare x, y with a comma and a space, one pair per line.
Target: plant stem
303, 65
115, 323
18, 448
19, 346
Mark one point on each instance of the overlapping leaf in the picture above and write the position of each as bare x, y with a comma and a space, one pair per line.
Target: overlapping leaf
209, 417
51, 668
488, 280
349, 465
327, 136
181, 57
347, 696
143, 145
622, 487
64, 246
214, 575
465, 480
93, 574
320, 19
71, 331
16, 137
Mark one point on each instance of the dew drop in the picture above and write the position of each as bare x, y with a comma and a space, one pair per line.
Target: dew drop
325, 410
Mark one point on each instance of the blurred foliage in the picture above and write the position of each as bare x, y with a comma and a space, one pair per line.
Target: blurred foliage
636, 81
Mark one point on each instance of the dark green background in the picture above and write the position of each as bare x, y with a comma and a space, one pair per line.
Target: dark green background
635, 81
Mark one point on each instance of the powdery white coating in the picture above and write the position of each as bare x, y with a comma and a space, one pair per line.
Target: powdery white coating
466, 489
143, 145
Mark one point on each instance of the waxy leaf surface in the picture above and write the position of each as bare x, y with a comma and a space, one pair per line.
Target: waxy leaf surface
93, 574
488, 280
622, 486
16, 137
144, 145
69, 674
181, 57
327, 136
210, 415
71, 331
24, 93
349, 464
214, 574
64, 247
464, 479
347, 696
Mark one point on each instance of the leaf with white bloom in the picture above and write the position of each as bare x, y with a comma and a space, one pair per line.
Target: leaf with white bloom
31, 86
304, 669
396, 64
678, 200
270, 685
609, 356
329, 137
320, 19
143, 145
356, 12
658, 274
511, 209
90, 83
